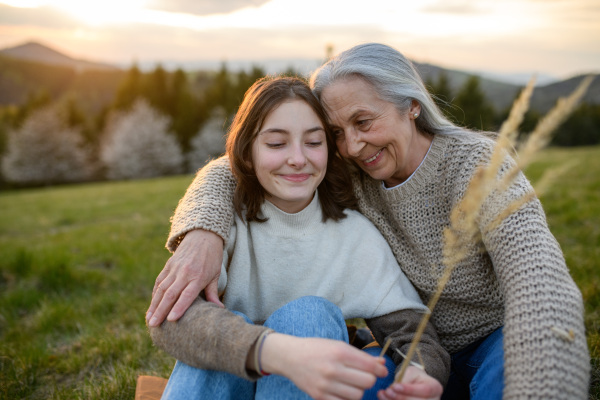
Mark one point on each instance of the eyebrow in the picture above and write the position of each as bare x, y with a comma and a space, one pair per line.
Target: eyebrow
279, 130
352, 117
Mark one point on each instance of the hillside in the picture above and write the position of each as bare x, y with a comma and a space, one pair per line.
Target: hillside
502, 94
17, 81
22, 79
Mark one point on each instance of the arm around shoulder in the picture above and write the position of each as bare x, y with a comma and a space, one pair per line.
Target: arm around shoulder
207, 203
209, 337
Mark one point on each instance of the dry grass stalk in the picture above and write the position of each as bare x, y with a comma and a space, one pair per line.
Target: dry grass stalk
463, 227
541, 135
423, 323
544, 183
482, 183
385, 347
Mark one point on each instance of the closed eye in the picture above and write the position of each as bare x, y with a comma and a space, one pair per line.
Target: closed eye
363, 123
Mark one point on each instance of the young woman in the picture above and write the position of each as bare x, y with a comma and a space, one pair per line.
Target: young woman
298, 262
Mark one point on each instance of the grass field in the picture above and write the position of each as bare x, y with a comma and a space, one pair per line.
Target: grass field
78, 264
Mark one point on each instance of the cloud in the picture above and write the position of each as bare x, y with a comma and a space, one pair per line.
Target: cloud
453, 7
204, 7
42, 16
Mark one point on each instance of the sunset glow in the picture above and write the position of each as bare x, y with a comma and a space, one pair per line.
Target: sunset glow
512, 34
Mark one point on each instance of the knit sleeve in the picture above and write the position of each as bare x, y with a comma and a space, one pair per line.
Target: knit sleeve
207, 204
545, 348
209, 337
400, 328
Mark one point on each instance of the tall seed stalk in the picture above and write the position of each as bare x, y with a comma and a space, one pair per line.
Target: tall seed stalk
463, 228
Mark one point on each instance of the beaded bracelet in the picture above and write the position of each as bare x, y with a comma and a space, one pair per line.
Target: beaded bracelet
257, 353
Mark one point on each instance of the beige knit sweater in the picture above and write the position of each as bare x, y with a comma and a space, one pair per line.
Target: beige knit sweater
516, 277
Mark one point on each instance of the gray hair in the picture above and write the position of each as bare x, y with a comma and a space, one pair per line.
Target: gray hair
393, 77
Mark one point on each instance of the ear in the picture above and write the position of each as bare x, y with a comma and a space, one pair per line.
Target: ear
415, 110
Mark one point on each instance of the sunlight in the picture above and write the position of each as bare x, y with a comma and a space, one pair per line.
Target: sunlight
94, 12
23, 3
427, 18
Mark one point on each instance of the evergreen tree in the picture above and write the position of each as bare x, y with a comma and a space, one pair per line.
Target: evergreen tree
442, 94
582, 128
244, 81
187, 112
130, 89
221, 92
156, 91
472, 108
530, 119
35, 101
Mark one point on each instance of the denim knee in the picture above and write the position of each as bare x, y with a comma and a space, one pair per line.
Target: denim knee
309, 316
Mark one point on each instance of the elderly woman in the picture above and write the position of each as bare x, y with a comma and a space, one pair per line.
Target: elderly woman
501, 313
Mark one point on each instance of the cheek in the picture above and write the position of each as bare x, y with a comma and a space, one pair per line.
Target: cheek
323, 161
265, 160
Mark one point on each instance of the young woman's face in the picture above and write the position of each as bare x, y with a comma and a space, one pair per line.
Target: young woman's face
290, 155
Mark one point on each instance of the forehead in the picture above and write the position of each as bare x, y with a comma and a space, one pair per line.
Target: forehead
291, 113
345, 97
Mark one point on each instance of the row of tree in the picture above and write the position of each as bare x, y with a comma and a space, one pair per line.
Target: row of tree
470, 107
161, 123
138, 143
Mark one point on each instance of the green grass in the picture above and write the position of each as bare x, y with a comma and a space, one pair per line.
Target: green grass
572, 205
78, 264
76, 274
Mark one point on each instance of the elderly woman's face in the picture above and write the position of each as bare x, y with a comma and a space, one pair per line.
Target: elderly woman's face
372, 133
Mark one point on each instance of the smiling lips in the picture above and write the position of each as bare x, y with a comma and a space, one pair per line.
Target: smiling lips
372, 159
296, 177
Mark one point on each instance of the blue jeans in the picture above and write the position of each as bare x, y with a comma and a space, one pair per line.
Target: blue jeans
305, 317
478, 370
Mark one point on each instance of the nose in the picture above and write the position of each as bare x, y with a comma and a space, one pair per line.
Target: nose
354, 143
296, 157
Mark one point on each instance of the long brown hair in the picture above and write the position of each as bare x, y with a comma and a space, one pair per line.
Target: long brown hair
335, 191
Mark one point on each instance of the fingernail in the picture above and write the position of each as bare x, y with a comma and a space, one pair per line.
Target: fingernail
152, 322
171, 316
148, 315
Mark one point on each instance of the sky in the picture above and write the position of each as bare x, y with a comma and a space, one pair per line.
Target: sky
560, 38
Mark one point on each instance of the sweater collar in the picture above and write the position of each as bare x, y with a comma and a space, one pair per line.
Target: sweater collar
297, 224
426, 172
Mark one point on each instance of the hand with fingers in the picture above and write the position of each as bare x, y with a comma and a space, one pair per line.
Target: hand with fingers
195, 266
416, 384
324, 369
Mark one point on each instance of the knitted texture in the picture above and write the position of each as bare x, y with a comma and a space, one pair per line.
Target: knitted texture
268, 264
202, 206
516, 276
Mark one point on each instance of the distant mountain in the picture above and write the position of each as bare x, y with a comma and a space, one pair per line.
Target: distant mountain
517, 78
502, 94
545, 97
34, 51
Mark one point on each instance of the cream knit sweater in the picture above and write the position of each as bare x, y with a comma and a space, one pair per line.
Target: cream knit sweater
516, 277
348, 262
